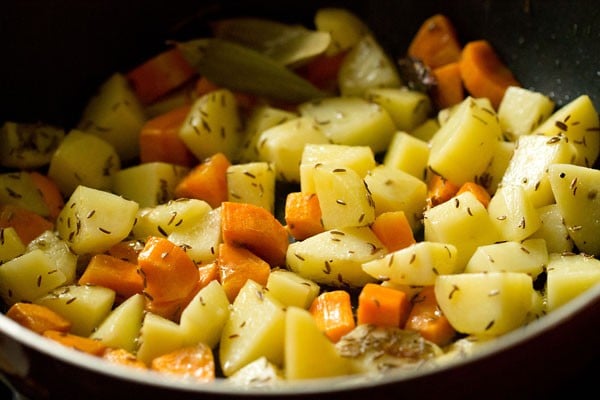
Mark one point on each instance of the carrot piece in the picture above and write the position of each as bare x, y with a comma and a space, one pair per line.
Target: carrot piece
38, 318
208, 273
113, 273
237, 265
84, 344
382, 306
436, 42
168, 272
303, 215
323, 70
26, 223
333, 313
171, 309
253, 227
394, 230
483, 73
439, 190
207, 181
50, 193
479, 191
160, 141
426, 318
160, 74
126, 250
449, 88
195, 362
123, 357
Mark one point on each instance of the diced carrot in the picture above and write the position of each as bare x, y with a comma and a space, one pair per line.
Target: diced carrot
394, 230
449, 88
126, 250
160, 74
333, 313
303, 215
160, 141
479, 191
204, 86
382, 306
113, 273
483, 73
168, 272
426, 318
253, 227
123, 357
237, 265
50, 193
436, 42
323, 70
171, 309
208, 273
38, 318
26, 223
84, 344
439, 190
207, 181
195, 362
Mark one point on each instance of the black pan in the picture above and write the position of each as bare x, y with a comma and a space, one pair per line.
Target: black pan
55, 53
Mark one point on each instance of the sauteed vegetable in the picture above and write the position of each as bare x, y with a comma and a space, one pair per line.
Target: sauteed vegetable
278, 202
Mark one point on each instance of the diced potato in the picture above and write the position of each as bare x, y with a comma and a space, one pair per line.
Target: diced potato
553, 230
529, 165
408, 108
485, 303
513, 215
351, 120
345, 28
415, 265
529, 256
164, 219
367, 66
522, 110
84, 306
94, 220
309, 353
578, 122
343, 196
28, 146
252, 183
426, 130
19, 189
409, 154
260, 372
255, 329
291, 289
200, 241
158, 336
569, 275
283, 145
28, 277
59, 252
120, 329
115, 115
358, 158
213, 125
84, 159
335, 257
149, 184
395, 190
203, 319
11, 245
494, 172
576, 190
463, 222
463, 147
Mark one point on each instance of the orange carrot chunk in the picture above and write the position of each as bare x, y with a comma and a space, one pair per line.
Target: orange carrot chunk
116, 274
207, 181
426, 318
382, 306
449, 89
483, 73
208, 273
84, 344
26, 223
303, 215
436, 42
50, 193
126, 250
160, 141
333, 313
440, 190
195, 362
394, 230
253, 227
38, 318
322, 71
479, 191
237, 265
